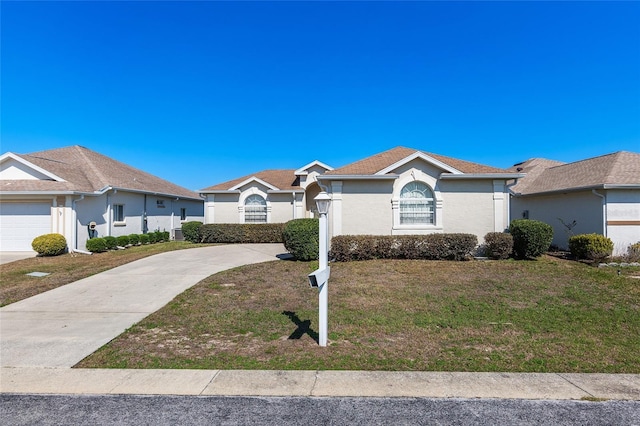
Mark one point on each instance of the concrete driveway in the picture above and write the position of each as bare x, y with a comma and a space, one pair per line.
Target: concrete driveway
12, 256
62, 326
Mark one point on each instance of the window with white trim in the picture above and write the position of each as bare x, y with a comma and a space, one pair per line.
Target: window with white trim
118, 212
183, 213
416, 204
255, 209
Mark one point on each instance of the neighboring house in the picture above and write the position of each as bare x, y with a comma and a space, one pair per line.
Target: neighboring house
400, 191
65, 190
598, 195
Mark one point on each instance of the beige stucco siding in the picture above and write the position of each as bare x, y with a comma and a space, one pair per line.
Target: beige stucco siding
281, 207
623, 218
225, 209
583, 207
366, 207
468, 207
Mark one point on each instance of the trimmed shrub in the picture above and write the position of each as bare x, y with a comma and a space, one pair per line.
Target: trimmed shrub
159, 237
96, 245
498, 245
300, 238
230, 233
144, 239
134, 239
152, 237
346, 248
111, 242
49, 244
531, 238
191, 231
166, 236
590, 246
123, 240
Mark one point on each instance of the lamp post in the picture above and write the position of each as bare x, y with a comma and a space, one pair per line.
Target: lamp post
323, 201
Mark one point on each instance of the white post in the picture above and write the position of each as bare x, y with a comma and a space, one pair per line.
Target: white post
323, 291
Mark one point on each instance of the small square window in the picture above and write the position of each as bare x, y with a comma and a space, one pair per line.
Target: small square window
118, 212
183, 213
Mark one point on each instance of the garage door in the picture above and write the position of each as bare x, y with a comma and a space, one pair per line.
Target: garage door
20, 223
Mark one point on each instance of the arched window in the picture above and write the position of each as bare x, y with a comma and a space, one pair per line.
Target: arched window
416, 204
255, 209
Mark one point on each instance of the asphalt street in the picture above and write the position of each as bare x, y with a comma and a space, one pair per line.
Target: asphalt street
188, 410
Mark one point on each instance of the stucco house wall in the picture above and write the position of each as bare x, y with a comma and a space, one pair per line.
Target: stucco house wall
623, 217
366, 208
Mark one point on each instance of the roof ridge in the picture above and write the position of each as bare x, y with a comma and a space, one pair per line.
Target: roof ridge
81, 150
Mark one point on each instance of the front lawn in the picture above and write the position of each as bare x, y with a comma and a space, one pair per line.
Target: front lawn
550, 315
16, 285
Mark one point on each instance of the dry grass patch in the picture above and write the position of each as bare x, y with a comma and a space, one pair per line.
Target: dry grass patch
549, 315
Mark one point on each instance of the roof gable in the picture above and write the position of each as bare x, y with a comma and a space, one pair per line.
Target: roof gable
385, 162
87, 171
313, 166
13, 167
275, 180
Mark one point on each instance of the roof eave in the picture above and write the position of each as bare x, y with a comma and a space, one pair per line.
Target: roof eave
357, 177
482, 176
580, 188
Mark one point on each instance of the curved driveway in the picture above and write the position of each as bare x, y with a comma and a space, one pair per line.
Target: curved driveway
62, 326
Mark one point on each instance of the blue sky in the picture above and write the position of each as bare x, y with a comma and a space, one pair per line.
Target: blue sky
203, 92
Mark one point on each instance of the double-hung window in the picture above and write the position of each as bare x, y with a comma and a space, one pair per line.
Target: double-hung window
416, 204
255, 209
183, 213
118, 213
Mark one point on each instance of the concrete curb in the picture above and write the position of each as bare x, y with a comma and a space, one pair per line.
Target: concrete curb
547, 386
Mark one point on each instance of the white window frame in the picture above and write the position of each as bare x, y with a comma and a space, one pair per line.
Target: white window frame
183, 214
413, 207
416, 175
119, 219
255, 206
242, 200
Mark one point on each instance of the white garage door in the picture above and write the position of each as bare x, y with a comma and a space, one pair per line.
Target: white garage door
20, 223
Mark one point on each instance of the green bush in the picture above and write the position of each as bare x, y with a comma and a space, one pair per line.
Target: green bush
531, 238
159, 237
498, 245
96, 245
134, 239
144, 239
230, 233
49, 244
300, 238
152, 237
166, 236
590, 246
111, 242
346, 248
123, 240
191, 231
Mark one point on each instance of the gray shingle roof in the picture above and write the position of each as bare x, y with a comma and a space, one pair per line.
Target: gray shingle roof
87, 171
619, 168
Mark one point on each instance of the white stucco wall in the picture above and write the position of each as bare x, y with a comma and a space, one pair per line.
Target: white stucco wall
582, 207
281, 207
623, 218
366, 207
468, 207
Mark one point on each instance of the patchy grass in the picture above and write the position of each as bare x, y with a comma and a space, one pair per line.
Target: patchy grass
550, 315
15, 285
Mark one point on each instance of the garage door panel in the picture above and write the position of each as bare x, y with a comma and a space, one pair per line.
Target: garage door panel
20, 223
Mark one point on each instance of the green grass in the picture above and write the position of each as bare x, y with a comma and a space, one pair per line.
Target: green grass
548, 315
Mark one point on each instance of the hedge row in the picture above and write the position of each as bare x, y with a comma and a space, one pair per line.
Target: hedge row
229, 233
101, 244
345, 248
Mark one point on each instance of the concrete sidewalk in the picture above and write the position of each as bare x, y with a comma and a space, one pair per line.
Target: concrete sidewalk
547, 386
61, 327
43, 336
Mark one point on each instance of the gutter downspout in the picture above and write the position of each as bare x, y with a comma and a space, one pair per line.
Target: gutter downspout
604, 211
508, 187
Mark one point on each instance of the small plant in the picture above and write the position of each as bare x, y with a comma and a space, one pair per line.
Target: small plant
531, 238
144, 239
111, 242
191, 231
123, 240
49, 244
498, 245
134, 239
152, 237
300, 237
166, 236
590, 246
96, 245
159, 236
633, 253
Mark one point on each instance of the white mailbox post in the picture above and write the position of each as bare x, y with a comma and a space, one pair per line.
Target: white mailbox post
320, 277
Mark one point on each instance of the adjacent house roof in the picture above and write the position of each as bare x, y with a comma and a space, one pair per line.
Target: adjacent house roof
84, 171
618, 169
284, 180
380, 162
